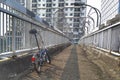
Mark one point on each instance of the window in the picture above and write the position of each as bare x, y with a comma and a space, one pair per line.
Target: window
72, 4
66, 14
38, 14
48, 15
83, 8
76, 20
61, 4
34, 5
70, 19
34, 10
48, 5
82, 14
48, 10
66, 9
34, 0
71, 9
39, 4
22, 1
53, 9
49, 1
75, 29
77, 9
76, 14
76, 24
66, 4
48, 20
61, 0
53, 4
71, 14
43, 14
77, 0
43, 4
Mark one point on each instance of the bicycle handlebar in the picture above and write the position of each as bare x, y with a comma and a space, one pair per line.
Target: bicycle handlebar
33, 31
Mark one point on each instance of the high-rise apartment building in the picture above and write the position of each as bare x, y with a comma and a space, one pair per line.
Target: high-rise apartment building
26, 3
62, 14
109, 8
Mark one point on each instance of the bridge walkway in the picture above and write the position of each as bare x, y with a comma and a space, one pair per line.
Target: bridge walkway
70, 64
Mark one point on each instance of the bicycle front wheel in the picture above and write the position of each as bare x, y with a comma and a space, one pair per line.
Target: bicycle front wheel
38, 67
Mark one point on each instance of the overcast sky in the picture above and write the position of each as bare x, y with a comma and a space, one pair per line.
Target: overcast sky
94, 3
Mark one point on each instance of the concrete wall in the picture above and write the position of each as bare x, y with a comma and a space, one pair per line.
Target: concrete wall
13, 67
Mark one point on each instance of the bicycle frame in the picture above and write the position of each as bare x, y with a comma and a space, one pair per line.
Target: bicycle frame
41, 56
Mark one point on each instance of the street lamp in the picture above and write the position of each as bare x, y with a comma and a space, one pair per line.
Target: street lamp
89, 17
96, 10
92, 20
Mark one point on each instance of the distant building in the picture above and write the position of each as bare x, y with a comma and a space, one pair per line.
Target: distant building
109, 8
26, 3
61, 14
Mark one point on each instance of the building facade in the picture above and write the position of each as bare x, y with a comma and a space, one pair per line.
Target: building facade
62, 14
109, 8
26, 3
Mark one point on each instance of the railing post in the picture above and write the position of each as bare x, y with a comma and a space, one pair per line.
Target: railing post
13, 35
0, 34
110, 40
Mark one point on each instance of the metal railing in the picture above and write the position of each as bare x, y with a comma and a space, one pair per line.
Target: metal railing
15, 24
107, 38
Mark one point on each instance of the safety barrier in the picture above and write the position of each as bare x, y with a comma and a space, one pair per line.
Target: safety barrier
107, 38
15, 23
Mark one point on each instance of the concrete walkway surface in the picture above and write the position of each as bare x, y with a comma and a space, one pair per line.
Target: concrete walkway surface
70, 64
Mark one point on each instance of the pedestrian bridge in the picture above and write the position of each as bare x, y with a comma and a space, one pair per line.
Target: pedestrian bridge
17, 45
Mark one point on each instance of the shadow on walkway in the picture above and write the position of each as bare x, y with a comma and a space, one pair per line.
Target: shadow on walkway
71, 70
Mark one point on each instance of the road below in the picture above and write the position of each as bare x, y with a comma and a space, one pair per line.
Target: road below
70, 64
